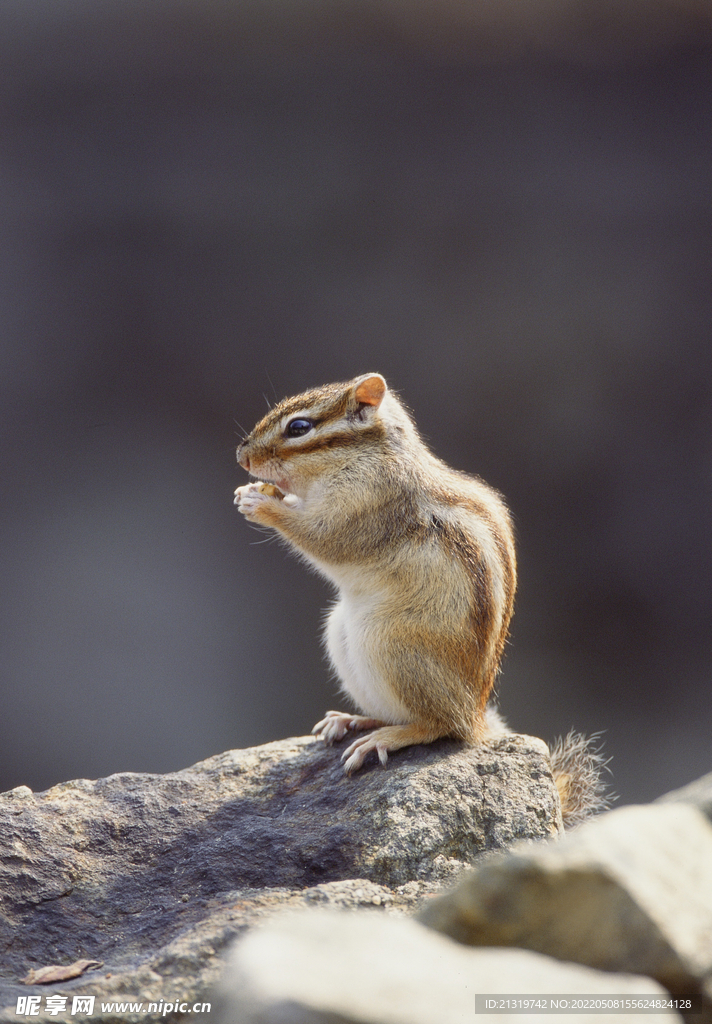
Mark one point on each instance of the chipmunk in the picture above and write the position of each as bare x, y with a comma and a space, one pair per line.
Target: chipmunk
422, 557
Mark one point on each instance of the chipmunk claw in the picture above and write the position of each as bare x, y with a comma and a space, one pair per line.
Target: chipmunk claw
332, 727
336, 724
354, 756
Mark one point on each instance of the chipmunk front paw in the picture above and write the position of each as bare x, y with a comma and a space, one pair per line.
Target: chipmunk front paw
250, 498
258, 497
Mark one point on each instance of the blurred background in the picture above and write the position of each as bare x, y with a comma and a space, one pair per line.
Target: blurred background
506, 209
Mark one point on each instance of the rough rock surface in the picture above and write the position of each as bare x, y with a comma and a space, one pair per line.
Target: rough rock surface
629, 891
332, 967
154, 874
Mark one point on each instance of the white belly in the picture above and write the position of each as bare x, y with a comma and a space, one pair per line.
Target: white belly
348, 642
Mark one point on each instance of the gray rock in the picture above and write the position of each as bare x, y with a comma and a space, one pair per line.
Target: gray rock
629, 891
333, 967
154, 874
182, 965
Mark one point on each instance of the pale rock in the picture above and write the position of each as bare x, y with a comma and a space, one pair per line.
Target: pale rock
334, 967
698, 793
629, 891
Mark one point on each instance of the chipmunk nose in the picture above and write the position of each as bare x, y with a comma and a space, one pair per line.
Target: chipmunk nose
242, 459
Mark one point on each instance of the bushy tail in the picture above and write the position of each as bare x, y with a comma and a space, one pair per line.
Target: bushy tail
577, 765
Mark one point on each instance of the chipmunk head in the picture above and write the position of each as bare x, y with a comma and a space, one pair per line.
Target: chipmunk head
321, 431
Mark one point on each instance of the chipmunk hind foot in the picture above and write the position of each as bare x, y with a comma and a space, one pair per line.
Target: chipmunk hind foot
389, 738
335, 724
384, 740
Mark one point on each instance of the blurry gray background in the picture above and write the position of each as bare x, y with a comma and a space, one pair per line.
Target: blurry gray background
506, 209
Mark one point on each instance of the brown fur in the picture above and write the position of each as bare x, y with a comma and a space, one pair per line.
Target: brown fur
422, 557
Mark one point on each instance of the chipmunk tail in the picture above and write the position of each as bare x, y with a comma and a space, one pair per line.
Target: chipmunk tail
579, 766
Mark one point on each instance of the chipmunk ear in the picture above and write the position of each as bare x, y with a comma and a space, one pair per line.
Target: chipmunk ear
370, 389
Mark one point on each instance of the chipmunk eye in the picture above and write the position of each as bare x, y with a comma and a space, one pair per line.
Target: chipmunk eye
295, 428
